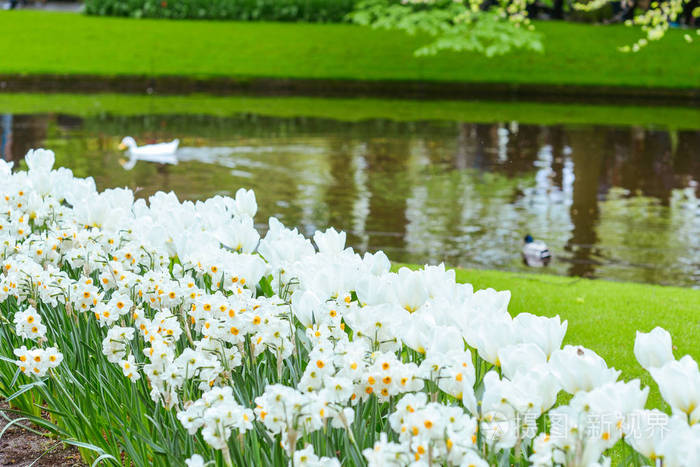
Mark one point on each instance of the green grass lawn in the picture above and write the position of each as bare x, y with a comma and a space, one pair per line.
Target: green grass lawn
353, 109
603, 316
58, 43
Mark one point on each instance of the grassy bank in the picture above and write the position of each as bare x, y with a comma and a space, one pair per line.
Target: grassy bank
353, 109
603, 316
53, 43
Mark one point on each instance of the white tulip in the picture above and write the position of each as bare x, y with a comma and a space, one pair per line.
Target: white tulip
374, 290
540, 382
653, 349
245, 203
304, 306
331, 241
377, 263
681, 445
546, 333
520, 358
5, 167
607, 407
490, 302
445, 339
645, 431
417, 332
488, 336
439, 282
40, 160
679, 383
410, 289
580, 369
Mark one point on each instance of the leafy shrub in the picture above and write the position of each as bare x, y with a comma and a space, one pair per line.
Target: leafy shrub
243, 10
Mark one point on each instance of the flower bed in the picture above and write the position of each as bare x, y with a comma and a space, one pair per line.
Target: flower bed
165, 332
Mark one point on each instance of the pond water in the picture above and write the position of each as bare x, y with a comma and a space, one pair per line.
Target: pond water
621, 203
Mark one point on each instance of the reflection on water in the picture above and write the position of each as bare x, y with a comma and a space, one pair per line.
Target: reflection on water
614, 202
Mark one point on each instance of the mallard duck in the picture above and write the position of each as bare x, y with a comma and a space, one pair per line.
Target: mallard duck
162, 153
535, 253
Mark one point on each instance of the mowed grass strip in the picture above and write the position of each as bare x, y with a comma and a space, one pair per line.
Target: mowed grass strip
603, 316
65, 43
352, 110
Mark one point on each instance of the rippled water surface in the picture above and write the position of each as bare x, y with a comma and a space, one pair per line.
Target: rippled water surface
614, 202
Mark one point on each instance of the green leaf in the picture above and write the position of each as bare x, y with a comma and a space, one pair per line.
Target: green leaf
25, 388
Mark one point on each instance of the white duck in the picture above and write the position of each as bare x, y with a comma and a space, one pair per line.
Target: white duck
535, 253
162, 153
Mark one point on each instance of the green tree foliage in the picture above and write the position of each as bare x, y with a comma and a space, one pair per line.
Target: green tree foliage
451, 25
496, 27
